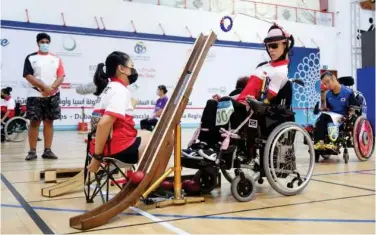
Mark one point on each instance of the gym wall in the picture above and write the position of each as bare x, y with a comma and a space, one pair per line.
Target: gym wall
159, 58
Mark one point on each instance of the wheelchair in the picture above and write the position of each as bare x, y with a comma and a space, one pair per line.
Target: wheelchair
109, 168
15, 129
265, 146
354, 131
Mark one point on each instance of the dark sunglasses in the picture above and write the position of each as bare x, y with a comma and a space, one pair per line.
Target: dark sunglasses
273, 45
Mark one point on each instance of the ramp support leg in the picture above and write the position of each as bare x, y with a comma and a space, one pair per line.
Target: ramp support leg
178, 198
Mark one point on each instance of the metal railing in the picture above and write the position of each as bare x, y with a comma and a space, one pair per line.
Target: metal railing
262, 10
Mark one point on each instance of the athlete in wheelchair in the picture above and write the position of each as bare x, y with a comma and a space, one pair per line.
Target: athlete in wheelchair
13, 124
342, 122
244, 132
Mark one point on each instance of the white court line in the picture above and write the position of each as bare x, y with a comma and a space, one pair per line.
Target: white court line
156, 219
152, 217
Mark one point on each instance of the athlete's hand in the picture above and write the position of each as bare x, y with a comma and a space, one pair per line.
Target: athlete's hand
94, 165
48, 89
216, 97
250, 97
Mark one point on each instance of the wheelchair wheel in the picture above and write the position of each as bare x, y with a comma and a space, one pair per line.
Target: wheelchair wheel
363, 139
243, 190
244, 165
16, 129
285, 162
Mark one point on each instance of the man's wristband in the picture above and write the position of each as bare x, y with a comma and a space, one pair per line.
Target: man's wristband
98, 157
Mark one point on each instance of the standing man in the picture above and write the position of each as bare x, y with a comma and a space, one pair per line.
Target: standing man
45, 73
151, 122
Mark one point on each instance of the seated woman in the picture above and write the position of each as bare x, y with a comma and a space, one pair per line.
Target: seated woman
264, 85
8, 110
151, 122
114, 133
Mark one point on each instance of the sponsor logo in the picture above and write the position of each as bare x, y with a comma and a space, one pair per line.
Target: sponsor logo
217, 90
140, 50
69, 43
69, 47
4, 42
66, 86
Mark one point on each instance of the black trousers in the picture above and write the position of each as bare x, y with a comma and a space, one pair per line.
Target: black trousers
321, 130
212, 135
148, 124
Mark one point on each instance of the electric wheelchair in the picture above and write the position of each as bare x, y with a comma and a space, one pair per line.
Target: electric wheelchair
15, 129
263, 144
352, 131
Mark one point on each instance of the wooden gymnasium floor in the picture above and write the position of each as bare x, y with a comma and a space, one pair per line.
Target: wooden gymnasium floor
340, 199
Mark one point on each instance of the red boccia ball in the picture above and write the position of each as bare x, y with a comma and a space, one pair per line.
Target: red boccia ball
137, 177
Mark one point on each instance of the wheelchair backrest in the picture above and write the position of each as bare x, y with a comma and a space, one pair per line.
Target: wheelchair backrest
17, 109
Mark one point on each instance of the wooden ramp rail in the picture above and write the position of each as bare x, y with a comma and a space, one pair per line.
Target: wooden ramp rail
158, 151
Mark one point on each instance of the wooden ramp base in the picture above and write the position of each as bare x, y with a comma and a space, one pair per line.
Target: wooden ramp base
183, 201
64, 187
51, 175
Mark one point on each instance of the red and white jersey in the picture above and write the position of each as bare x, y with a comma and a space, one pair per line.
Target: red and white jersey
272, 75
44, 67
115, 101
9, 105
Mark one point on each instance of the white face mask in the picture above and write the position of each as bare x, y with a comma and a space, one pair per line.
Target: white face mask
44, 47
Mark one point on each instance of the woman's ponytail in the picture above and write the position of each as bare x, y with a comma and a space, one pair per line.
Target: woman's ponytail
100, 79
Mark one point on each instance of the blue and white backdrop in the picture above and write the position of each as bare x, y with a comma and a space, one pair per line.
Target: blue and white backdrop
159, 60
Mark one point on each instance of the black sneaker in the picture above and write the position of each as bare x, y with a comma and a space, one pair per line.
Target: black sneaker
48, 154
32, 154
190, 153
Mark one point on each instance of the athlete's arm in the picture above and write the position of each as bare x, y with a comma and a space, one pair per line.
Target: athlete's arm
103, 131
60, 74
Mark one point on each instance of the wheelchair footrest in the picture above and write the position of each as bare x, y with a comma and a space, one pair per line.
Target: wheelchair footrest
195, 163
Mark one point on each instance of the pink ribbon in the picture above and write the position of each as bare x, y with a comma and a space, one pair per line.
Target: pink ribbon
196, 134
232, 133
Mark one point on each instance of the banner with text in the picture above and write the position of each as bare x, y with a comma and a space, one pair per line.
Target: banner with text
158, 62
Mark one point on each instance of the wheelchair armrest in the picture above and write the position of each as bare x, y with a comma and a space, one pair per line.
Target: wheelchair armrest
257, 106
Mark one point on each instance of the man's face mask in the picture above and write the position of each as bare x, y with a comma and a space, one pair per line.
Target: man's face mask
44, 47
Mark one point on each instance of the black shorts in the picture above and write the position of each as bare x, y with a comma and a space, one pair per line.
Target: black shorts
130, 154
43, 108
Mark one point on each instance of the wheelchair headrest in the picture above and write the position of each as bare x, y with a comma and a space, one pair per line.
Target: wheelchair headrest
298, 81
346, 81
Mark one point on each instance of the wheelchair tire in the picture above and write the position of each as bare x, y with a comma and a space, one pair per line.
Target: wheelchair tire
243, 190
363, 137
21, 123
270, 143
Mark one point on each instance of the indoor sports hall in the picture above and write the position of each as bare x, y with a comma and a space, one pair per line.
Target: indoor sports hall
188, 117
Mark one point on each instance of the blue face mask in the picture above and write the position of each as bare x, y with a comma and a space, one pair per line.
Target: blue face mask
44, 47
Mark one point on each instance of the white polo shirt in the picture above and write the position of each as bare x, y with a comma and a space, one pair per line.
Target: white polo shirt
45, 67
115, 101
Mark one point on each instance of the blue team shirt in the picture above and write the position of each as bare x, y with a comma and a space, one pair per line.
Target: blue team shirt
339, 103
